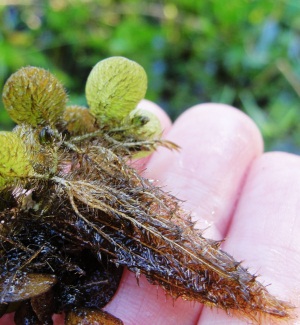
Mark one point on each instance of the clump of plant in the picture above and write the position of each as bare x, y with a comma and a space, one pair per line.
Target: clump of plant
73, 213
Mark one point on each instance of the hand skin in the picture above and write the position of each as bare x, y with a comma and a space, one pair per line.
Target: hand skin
235, 190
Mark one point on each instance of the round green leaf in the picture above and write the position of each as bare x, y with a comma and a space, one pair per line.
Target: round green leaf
34, 96
14, 158
114, 88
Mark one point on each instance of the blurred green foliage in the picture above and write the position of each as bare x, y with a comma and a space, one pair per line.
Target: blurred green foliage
244, 53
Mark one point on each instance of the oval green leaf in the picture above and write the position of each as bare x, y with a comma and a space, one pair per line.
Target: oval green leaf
114, 88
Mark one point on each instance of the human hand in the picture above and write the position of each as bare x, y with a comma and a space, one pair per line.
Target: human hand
240, 194
247, 197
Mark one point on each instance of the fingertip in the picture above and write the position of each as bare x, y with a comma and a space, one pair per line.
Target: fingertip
217, 116
218, 144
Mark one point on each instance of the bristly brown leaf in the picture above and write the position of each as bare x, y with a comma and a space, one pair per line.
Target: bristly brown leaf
146, 230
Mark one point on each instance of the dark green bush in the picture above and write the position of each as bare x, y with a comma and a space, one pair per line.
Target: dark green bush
244, 53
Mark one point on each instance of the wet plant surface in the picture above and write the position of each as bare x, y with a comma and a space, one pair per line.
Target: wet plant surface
73, 212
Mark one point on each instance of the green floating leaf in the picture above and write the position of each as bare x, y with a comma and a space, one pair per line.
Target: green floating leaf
114, 88
14, 158
34, 96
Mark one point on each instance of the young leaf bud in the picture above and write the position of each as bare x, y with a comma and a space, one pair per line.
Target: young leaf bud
146, 124
34, 96
14, 158
78, 120
114, 88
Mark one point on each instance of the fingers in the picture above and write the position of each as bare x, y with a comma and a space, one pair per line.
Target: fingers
218, 144
268, 214
265, 228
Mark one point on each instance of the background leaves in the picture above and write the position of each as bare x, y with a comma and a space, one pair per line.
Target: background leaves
244, 53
